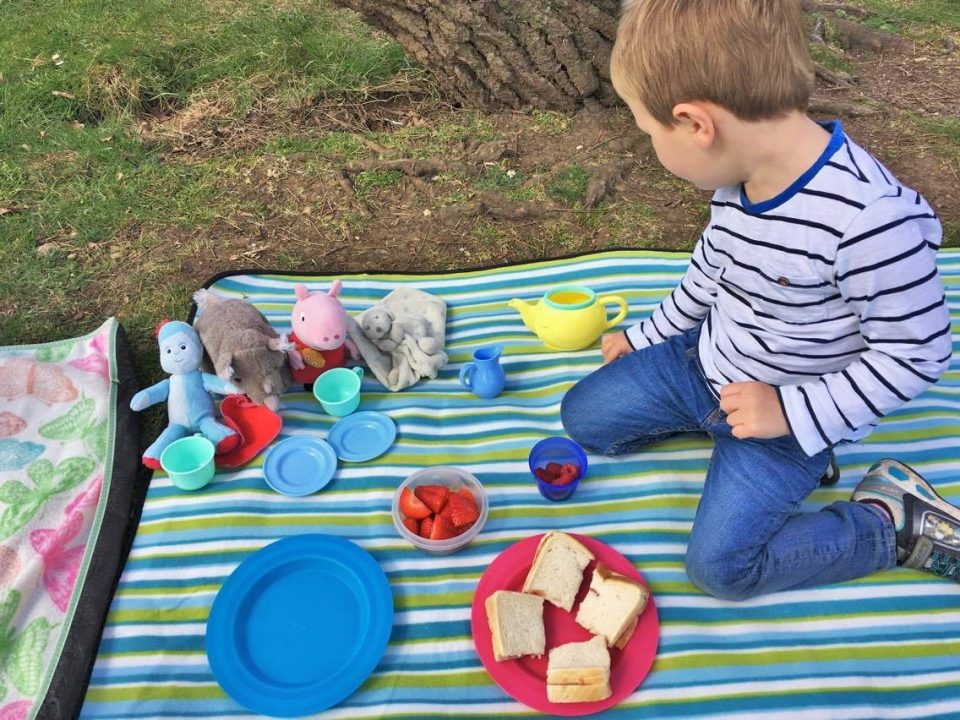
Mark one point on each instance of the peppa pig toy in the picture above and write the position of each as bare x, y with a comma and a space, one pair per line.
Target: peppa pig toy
187, 393
319, 324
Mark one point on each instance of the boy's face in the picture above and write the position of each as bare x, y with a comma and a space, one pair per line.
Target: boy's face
684, 149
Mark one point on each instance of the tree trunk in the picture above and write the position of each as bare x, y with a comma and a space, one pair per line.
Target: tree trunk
531, 53
513, 53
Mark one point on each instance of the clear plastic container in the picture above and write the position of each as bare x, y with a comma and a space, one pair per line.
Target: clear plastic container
454, 479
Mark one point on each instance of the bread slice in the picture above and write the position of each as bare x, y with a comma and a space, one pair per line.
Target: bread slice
578, 693
611, 605
557, 569
625, 636
579, 663
516, 623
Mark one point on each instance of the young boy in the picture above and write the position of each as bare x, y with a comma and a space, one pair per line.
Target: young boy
811, 308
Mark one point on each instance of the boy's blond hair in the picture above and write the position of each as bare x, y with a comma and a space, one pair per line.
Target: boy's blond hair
748, 56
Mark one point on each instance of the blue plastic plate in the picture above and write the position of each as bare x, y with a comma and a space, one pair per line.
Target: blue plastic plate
299, 465
299, 625
362, 436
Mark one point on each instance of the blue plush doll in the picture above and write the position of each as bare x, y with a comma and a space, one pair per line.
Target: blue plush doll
187, 392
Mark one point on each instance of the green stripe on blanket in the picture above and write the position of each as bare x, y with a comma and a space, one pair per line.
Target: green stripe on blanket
883, 646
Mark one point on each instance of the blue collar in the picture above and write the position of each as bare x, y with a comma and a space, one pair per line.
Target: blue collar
837, 139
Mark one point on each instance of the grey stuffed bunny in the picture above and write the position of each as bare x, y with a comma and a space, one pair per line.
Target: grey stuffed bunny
242, 348
387, 330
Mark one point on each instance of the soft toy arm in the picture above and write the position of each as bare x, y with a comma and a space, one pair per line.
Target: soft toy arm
150, 396
352, 349
213, 384
295, 358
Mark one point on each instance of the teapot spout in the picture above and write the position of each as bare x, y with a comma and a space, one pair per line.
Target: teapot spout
527, 312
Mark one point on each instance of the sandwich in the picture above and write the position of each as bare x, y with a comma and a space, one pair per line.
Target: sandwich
516, 623
612, 606
557, 570
579, 672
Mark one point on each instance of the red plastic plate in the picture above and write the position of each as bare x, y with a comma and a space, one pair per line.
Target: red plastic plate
525, 679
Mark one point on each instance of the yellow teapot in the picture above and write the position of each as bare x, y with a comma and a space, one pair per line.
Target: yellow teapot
569, 317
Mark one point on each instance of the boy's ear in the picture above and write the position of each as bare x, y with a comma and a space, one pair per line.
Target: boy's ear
697, 119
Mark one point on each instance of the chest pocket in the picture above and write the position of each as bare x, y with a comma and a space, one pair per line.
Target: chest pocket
791, 294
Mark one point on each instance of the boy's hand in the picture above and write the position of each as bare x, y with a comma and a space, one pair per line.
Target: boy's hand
614, 345
753, 410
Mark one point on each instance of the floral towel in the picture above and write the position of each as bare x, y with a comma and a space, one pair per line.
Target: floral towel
56, 434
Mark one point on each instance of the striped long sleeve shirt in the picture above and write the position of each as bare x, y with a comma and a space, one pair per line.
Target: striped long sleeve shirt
828, 291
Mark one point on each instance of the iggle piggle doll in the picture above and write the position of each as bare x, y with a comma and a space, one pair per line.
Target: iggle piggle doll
187, 392
319, 323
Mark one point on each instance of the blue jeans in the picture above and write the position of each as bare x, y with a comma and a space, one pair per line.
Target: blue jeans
748, 538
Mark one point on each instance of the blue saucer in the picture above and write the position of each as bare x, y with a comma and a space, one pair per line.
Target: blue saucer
299, 465
362, 436
299, 625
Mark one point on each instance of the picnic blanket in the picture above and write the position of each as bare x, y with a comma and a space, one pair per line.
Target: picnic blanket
68, 459
884, 646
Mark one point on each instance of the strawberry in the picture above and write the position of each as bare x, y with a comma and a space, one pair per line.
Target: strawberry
426, 527
466, 494
433, 496
411, 506
553, 468
441, 530
461, 530
568, 473
412, 525
459, 511
542, 474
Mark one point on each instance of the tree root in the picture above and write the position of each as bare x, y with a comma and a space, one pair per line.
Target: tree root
852, 10
408, 166
493, 205
604, 180
837, 78
854, 36
841, 108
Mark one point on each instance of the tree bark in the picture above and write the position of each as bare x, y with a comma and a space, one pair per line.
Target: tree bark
548, 54
513, 53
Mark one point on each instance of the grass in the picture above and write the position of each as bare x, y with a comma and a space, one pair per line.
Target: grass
569, 184
83, 178
897, 15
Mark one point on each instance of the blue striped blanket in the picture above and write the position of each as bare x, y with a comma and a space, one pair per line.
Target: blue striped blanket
884, 646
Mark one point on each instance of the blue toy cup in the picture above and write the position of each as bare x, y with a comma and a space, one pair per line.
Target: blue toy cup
338, 390
189, 462
561, 451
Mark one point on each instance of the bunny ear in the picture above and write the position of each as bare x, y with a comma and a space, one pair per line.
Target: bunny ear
335, 288
301, 291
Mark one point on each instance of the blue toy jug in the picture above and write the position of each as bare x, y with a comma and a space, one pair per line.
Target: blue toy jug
484, 375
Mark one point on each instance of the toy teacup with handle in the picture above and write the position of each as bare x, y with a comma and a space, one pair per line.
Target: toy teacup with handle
569, 317
338, 390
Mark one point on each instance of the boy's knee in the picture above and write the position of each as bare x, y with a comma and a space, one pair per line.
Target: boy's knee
584, 422
721, 577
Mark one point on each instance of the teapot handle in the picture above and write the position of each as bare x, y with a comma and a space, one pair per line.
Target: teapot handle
624, 309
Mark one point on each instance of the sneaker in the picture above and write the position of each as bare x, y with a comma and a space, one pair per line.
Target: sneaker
928, 527
832, 474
